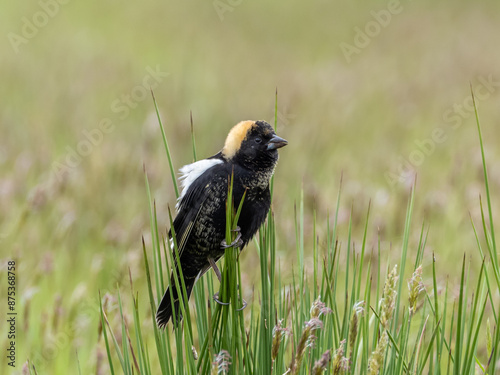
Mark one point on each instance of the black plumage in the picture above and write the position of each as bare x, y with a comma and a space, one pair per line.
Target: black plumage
251, 153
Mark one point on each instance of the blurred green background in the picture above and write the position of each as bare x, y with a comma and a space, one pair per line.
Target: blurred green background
375, 91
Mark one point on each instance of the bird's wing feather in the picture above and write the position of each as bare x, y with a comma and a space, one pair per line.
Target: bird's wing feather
189, 209
191, 202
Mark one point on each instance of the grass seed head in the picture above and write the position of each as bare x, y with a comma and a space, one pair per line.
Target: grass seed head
319, 308
306, 340
195, 353
322, 364
358, 309
377, 358
415, 287
279, 333
388, 300
221, 363
340, 362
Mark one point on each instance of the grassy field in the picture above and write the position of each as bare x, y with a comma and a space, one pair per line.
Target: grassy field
375, 92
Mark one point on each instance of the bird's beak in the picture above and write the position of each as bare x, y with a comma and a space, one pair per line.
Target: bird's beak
276, 142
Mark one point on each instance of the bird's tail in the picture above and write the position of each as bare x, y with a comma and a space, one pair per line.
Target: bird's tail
169, 303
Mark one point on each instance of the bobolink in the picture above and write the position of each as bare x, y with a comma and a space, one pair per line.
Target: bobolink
250, 153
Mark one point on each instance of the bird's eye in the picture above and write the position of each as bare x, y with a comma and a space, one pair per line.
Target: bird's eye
258, 140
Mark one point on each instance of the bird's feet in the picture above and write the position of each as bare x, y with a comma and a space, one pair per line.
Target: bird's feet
237, 241
216, 299
244, 305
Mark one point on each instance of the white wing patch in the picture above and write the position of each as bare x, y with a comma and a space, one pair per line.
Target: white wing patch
190, 172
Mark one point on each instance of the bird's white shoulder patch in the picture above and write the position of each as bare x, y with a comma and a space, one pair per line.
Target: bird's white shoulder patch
190, 172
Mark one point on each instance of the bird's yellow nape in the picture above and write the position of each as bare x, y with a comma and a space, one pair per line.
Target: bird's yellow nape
236, 135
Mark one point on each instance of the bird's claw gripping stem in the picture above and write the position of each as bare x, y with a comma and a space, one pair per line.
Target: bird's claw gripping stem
244, 305
216, 299
237, 241
219, 276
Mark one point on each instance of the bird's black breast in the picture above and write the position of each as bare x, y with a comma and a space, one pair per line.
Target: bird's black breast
254, 211
201, 220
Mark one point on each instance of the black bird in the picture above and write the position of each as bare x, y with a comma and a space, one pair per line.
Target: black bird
251, 153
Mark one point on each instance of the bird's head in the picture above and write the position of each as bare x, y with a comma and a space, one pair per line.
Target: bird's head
253, 144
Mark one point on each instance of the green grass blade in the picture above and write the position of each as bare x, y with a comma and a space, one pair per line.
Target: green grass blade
167, 149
